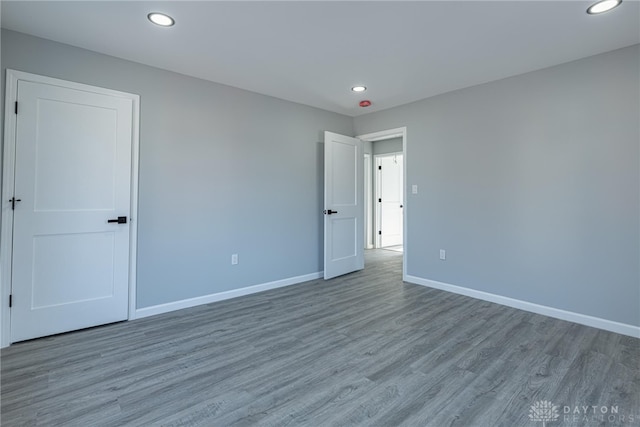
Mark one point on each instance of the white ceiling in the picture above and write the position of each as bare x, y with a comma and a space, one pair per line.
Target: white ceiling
313, 52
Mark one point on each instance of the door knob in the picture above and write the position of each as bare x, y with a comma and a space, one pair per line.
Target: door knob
329, 212
119, 220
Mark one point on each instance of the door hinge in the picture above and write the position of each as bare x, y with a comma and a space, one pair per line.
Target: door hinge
10, 301
380, 200
379, 167
13, 201
16, 109
380, 232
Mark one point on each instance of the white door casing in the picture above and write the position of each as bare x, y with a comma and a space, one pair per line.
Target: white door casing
388, 134
344, 205
73, 165
368, 202
389, 199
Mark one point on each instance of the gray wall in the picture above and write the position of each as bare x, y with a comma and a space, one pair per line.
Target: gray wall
531, 184
222, 171
387, 146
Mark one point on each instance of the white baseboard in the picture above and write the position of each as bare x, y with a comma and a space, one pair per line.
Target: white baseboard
583, 319
220, 296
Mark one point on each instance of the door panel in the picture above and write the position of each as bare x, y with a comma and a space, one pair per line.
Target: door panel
343, 171
87, 142
344, 198
72, 174
343, 244
57, 281
390, 191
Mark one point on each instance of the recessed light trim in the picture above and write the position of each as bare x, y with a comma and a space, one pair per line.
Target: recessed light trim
161, 19
358, 88
603, 6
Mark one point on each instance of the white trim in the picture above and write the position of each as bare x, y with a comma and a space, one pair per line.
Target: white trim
6, 226
8, 177
388, 134
583, 319
368, 201
133, 227
220, 296
384, 134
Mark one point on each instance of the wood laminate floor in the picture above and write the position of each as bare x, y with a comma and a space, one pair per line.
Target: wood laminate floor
364, 349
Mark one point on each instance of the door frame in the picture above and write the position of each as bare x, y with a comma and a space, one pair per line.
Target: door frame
400, 132
368, 204
377, 212
8, 181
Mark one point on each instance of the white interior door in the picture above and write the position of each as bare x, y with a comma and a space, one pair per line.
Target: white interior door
70, 266
390, 199
344, 205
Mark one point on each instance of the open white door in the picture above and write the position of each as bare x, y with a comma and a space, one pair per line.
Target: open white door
389, 189
71, 209
344, 205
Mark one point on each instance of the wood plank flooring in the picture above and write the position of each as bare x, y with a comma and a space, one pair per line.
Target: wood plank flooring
364, 349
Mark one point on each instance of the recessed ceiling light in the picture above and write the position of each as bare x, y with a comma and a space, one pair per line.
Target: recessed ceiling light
358, 88
603, 6
161, 19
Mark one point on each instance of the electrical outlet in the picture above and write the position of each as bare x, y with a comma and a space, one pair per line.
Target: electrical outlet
234, 259
414, 189
443, 254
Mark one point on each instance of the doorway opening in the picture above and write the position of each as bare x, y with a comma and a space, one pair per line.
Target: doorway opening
385, 192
